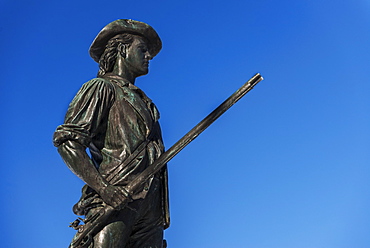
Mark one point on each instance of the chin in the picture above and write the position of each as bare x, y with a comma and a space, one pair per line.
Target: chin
143, 73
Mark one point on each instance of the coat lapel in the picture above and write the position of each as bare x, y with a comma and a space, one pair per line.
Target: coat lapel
134, 96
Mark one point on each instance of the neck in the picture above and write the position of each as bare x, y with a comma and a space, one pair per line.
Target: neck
120, 69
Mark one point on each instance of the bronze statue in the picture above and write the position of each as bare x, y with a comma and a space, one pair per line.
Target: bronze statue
125, 199
118, 123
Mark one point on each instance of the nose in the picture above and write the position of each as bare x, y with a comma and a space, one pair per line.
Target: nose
148, 56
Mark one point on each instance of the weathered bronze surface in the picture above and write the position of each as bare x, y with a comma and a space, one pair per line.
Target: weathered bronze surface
125, 199
118, 123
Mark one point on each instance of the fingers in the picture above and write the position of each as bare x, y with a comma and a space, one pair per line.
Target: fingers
118, 197
114, 195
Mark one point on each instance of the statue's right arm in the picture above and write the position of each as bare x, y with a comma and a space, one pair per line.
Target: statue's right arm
87, 110
77, 160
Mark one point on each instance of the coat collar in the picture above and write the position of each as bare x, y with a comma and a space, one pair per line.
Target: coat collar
125, 84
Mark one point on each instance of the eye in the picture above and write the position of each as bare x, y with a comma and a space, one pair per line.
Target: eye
143, 49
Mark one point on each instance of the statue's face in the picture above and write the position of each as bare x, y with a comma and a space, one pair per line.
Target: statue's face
137, 57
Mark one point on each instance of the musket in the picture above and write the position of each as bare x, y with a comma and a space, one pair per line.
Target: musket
94, 224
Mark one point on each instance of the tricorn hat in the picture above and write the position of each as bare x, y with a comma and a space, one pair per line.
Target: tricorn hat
125, 26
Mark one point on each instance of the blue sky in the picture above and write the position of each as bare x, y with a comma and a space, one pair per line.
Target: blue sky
287, 166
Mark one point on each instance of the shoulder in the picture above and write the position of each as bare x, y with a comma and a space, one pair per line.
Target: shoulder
96, 89
99, 84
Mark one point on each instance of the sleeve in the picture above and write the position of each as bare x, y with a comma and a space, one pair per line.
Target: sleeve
86, 111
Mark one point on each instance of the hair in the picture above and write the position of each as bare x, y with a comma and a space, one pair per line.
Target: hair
108, 58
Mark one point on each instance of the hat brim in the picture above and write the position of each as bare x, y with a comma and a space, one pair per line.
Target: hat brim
125, 26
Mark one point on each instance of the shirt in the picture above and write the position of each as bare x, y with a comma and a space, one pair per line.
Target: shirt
112, 117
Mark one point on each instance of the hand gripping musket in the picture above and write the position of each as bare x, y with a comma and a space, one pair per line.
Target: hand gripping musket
96, 223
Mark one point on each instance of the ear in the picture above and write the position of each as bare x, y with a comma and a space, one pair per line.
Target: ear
122, 49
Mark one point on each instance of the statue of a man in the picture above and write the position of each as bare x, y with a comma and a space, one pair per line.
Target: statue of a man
118, 123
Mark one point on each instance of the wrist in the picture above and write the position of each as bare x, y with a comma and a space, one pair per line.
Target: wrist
100, 184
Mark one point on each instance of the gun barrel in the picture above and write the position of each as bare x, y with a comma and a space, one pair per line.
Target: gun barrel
193, 133
84, 236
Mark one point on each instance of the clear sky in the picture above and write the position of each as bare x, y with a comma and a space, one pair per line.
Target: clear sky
287, 166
